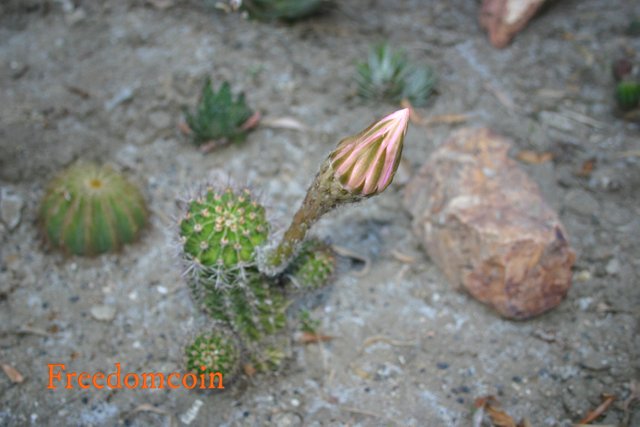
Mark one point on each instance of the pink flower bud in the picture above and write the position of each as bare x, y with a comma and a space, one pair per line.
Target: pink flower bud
365, 164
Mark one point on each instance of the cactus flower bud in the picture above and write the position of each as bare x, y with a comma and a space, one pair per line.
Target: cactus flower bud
361, 166
366, 163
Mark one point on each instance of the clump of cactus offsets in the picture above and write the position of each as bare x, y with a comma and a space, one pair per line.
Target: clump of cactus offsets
213, 353
388, 75
88, 209
237, 273
284, 10
219, 118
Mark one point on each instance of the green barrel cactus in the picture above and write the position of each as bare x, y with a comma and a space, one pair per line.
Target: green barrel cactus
313, 267
218, 118
213, 352
284, 10
628, 95
89, 209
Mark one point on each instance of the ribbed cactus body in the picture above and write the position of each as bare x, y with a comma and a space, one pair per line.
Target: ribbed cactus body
314, 266
89, 210
628, 95
286, 10
215, 352
221, 231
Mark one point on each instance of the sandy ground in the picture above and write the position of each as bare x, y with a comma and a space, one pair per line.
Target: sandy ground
106, 81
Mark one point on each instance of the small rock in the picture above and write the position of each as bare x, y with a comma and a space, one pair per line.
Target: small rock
105, 313
76, 17
580, 202
287, 419
10, 208
123, 95
504, 18
582, 276
18, 69
585, 303
613, 267
160, 119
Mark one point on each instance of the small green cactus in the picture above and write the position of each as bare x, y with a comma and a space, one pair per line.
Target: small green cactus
213, 352
628, 95
89, 210
284, 10
388, 75
220, 233
313, 267
218, 118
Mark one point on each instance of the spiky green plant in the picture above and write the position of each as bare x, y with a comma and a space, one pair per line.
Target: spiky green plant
628, 95
218, 118
213, 352
313, 267
284, 10
220, 232
88, 210
388, 75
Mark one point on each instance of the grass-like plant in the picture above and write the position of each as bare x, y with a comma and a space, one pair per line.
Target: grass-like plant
388, 75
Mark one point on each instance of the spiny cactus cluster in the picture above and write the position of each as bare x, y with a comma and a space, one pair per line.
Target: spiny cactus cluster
240, 277
220, 233
284, 10
388, 75
219, 118
213, 352
89, 210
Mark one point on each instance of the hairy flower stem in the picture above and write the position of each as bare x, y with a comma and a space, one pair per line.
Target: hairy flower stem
324, 194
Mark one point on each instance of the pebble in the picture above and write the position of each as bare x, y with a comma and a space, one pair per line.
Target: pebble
75, 17
580, 202
160, 119
105, 313
10, 208
287, 419
613, 267
123, 95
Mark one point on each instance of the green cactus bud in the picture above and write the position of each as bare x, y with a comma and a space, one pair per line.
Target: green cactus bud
220, 231
628, 95
284, 10
213, 352
388, 75
314, 266
219, 118
89, 210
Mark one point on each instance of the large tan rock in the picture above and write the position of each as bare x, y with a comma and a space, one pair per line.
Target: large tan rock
485, 224
504, 18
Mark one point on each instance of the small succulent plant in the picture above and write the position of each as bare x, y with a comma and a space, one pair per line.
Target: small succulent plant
284, 10
88, 210
219, 118
628, 95
388, 75
313, 267
213, 352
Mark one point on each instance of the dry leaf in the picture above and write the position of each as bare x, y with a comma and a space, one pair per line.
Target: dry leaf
184, 128
309, 338
13, 374
498, 417
587, 168
249, 369
252, 121
534, 157
607, 400
285, 123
